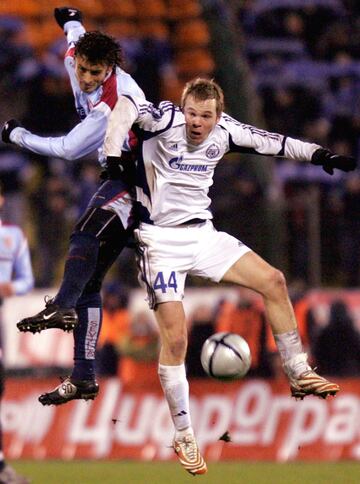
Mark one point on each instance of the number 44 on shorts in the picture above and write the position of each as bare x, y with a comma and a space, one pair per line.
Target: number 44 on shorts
161, 284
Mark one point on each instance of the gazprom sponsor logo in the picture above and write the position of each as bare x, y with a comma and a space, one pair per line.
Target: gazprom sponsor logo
178, 164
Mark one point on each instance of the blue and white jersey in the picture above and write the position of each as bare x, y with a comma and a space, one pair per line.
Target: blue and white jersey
93, 108
15, 263
174, 175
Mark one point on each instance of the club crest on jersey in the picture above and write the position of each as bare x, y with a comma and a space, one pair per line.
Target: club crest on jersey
213, 151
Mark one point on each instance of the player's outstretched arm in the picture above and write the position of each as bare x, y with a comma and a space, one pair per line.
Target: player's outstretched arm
329, 161
67, 14
84, 138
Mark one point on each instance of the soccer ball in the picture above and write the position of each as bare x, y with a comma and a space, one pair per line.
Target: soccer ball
226, 356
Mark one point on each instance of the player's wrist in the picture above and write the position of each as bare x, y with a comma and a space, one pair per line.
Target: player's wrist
15, 134
71, 24
73, 31
320, 155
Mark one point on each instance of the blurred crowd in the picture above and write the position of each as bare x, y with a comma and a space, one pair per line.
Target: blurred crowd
303, 60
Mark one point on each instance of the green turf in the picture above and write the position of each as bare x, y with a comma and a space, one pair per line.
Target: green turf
106, 472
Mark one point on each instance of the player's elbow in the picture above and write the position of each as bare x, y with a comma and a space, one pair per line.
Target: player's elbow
70, 154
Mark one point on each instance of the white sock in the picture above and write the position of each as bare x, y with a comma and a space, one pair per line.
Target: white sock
291, 352
176, 389
289, 344
296, 365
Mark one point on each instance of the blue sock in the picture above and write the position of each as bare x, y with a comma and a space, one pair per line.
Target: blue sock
86, 334
79, 267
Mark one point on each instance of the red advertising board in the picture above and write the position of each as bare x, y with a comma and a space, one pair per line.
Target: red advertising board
263, 421
55, 347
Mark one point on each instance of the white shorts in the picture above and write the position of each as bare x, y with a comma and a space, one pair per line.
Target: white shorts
167, 254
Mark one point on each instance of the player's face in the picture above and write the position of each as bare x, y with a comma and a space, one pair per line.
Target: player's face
90, 76
200, 118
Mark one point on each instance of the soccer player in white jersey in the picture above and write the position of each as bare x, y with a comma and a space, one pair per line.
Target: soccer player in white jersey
179, 150
93, 61
16, 278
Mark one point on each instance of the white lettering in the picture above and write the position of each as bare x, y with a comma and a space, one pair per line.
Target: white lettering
20, 418
343, 426
214, 419
126, 430
250, 410
99, 432
305, 427
272, 422
162, 430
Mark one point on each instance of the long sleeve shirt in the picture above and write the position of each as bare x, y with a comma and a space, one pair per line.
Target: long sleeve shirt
174, 175
93, 108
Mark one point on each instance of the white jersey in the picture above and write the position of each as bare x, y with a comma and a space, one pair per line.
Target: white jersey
175, 175
94, 110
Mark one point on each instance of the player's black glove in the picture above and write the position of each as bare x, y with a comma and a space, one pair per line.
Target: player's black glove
329, 161
121, 168
114, 167
7, 128
66, 14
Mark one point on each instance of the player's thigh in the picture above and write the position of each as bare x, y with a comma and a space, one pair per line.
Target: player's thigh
112, 200
98, 222
216, 252
251, 271
109, 251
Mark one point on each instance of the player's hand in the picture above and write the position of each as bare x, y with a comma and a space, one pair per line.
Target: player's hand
329, 161
114, 167
7, 128
66, 14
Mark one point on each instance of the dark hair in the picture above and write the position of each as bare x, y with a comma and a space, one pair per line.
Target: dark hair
99, 48
203, 89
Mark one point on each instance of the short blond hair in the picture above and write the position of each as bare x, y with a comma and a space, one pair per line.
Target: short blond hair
203, 89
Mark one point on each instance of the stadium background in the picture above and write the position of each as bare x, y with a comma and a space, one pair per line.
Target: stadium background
290, 66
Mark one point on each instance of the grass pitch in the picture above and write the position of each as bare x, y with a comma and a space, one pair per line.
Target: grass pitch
125, 472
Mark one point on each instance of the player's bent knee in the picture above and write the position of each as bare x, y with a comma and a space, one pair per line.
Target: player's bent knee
275, 282
177, 347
